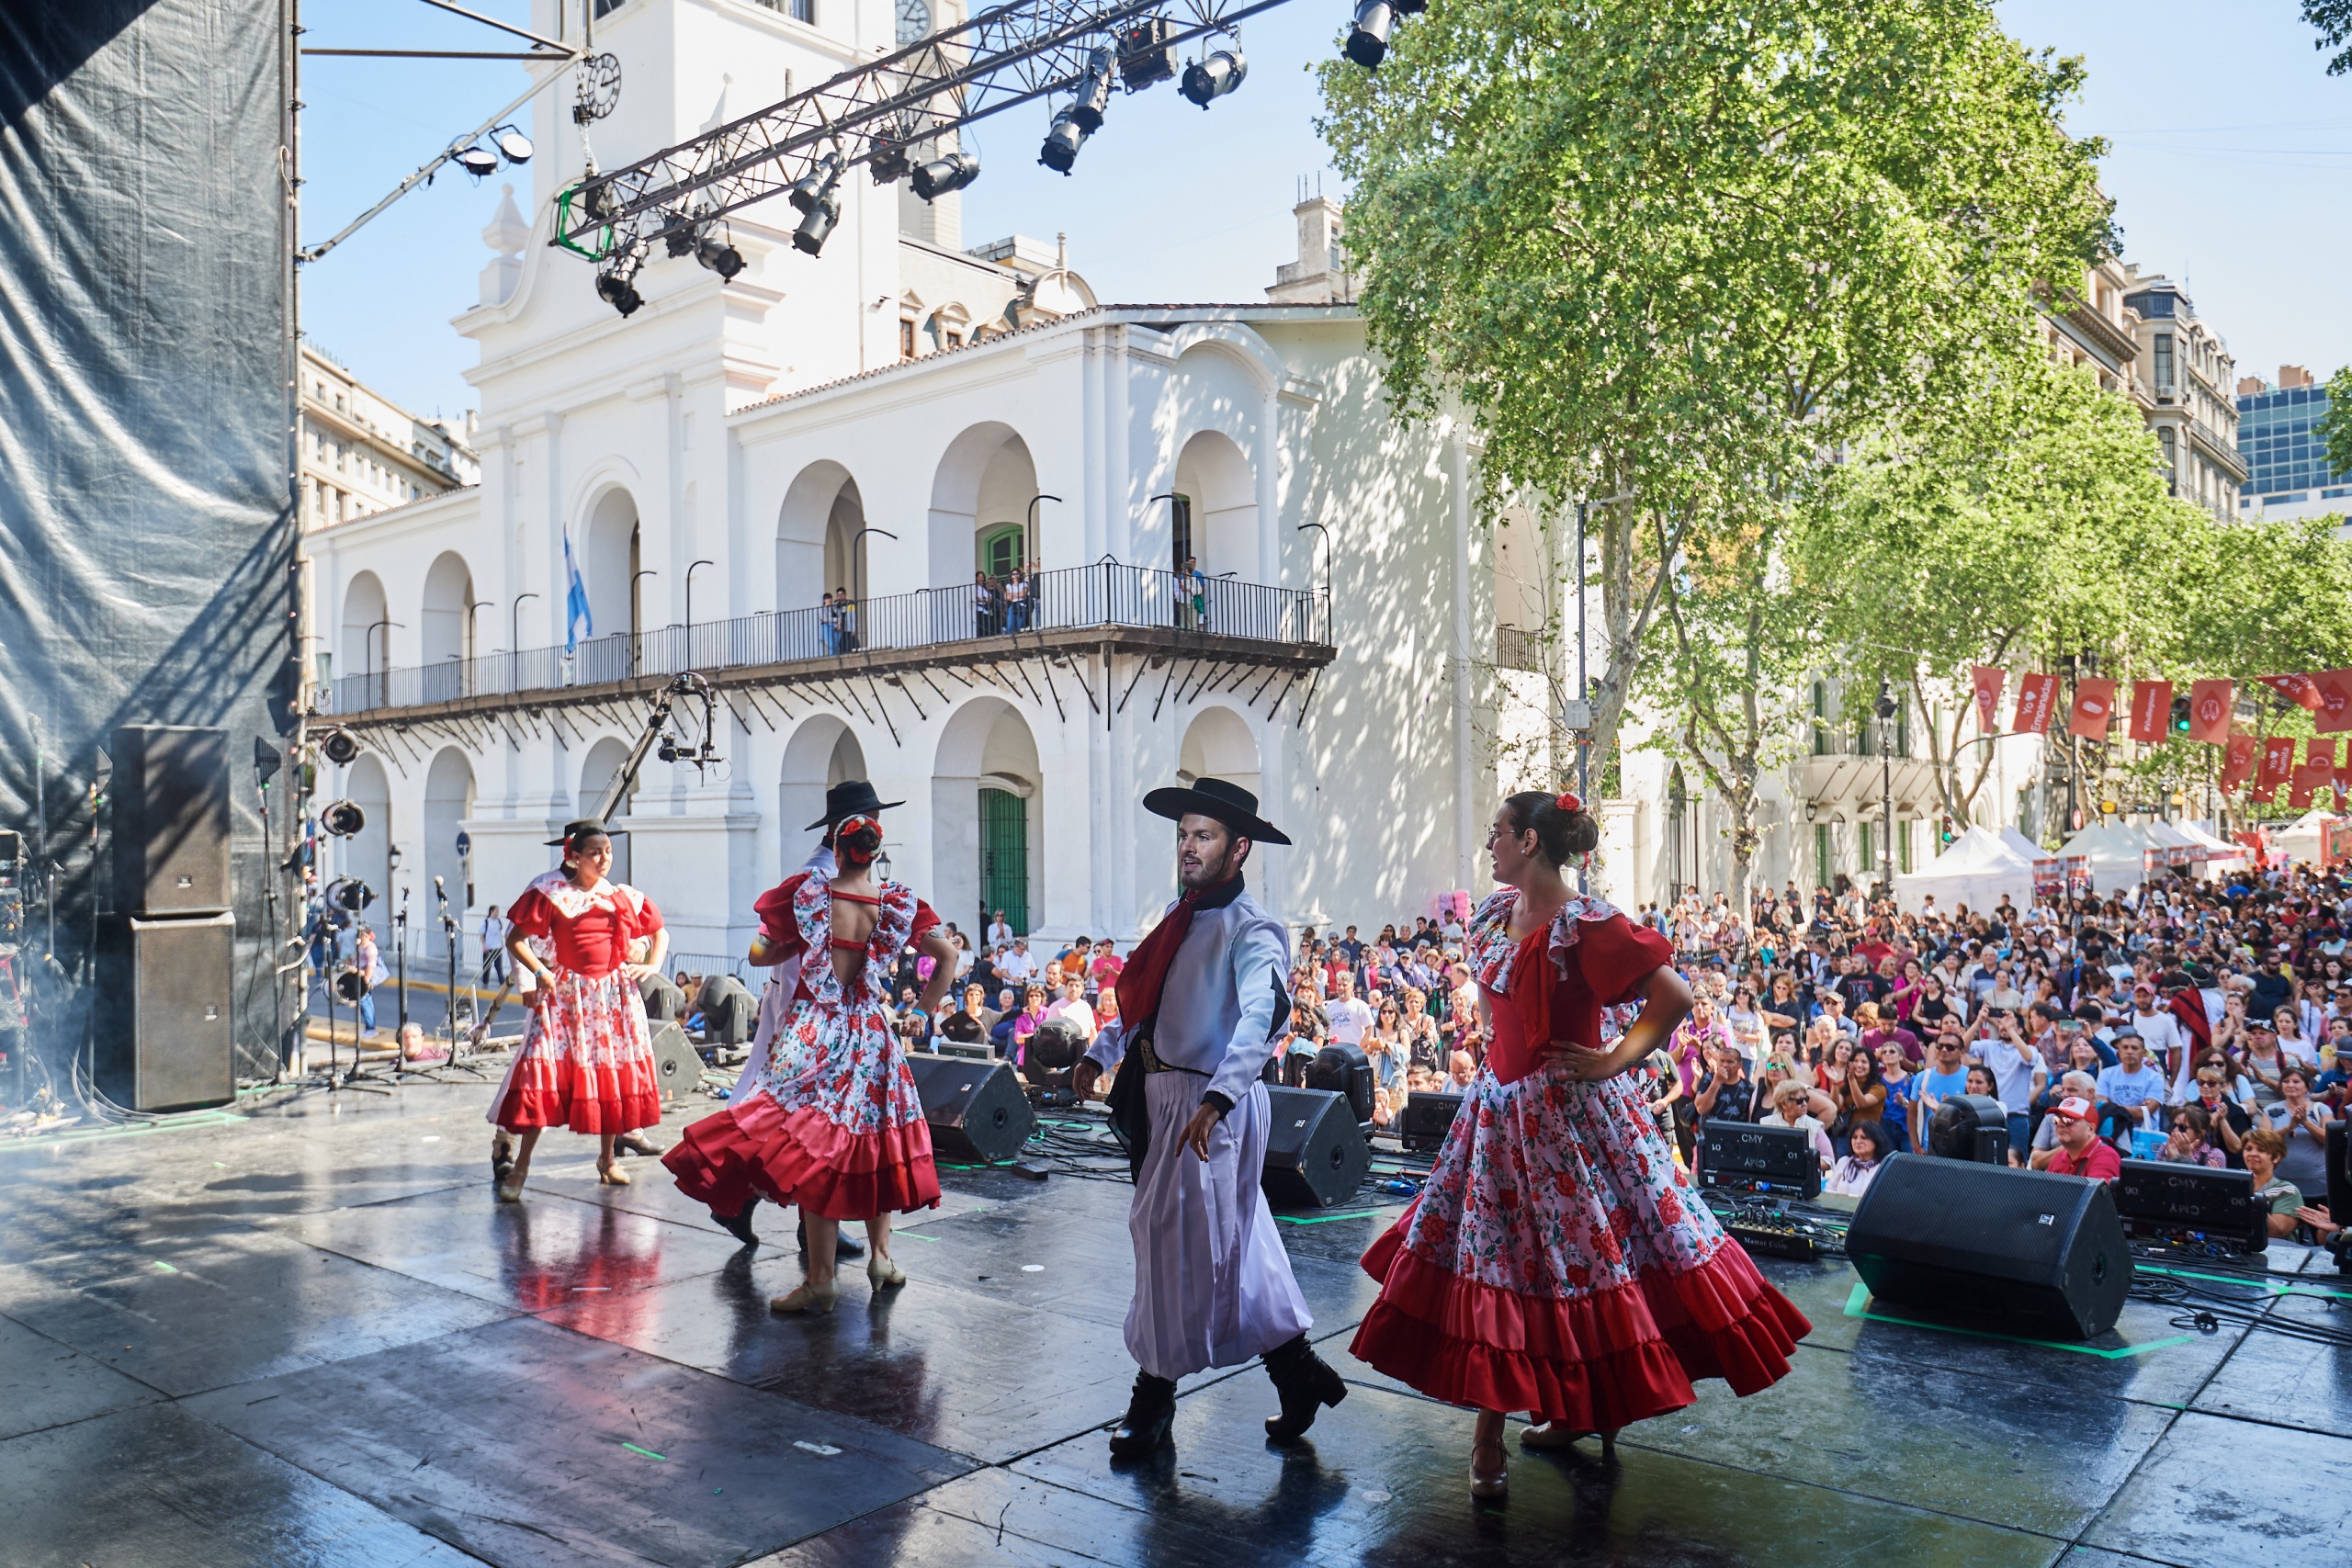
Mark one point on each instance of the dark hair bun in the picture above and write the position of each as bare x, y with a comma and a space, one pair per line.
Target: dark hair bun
1562, 835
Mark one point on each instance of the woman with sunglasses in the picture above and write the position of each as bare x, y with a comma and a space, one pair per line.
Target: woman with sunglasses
835, 1123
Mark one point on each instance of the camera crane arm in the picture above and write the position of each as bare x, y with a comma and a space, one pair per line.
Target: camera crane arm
690, 684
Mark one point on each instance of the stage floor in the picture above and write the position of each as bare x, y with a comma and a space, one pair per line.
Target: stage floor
309, 1335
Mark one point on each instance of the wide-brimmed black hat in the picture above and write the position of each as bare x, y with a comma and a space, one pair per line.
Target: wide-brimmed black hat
1228, 803
574, 829
850, 798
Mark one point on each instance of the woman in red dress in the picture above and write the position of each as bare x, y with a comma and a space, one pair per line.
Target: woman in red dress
586, 1061
1558, 1262
834, 1123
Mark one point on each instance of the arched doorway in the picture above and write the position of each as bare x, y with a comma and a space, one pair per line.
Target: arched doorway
443, 629
1213, 518
604, 759
367, 854
988, 807
612, 549
448, 801
821, 753
984, 516
1218, 745
365, 646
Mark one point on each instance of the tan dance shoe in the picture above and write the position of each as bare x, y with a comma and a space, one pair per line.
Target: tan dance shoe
809, 1297
612, 1175
884, 1273
509, 1191
1494, 1483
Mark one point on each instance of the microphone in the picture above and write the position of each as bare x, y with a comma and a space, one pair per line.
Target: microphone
436, 885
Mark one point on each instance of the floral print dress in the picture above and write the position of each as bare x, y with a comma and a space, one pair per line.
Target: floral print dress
1558, 1261
586, 1061
835, 1123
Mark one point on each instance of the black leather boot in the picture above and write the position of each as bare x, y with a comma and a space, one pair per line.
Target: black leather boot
844, 1244
1306, 1381
739, 1224
1151, 1412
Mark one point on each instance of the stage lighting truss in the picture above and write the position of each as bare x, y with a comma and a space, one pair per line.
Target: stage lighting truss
892, 114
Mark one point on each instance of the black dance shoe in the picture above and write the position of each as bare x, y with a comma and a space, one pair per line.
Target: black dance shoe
1149, 1415
1306, 1381
844, 1246
739, 1224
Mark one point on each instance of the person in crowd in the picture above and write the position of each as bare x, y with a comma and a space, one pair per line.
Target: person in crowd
493, 948
1425, 1046
1554, 1098
1902, 1086
1946, 1075
1727, 1091
2135, 1084
2074, 1084
1867, 1150
1748, 1023
2081, 1151
1350, 1017
1073, 1008
2262, 1061
986, 617
970, 1022
1860, 1097
2301, 1122
2191, 1141
1791, 1107
2264, 1149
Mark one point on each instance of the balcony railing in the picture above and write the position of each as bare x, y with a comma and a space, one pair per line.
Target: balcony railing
1108, 594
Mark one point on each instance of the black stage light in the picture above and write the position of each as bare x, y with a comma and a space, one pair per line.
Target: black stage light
941, 176
512, 144
477, 161
342, 748
1063, 138
811, 237
342, 818
1144, 54
1214, 76
618, 292
888, 161
1971, 1127
679, 242
351, 985
1093, 97
349, 893
810, 188
1344, 1069
719, 256
1367, 42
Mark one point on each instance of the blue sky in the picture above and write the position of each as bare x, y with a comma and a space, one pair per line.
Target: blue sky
2231, 148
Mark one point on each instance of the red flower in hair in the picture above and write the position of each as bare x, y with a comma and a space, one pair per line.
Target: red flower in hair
1567, 801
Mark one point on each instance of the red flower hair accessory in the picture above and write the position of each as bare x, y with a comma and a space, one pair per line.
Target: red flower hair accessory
1567, 801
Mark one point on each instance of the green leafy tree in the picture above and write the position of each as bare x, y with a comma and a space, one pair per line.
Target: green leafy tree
2335, 426
1668, 254
2333, 20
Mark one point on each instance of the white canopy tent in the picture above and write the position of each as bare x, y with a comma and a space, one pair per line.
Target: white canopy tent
1977, 870
2305, 839
2023, 845
2115, 854
2219, 852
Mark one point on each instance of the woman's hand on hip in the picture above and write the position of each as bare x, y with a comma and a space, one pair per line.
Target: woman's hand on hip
1586, 1064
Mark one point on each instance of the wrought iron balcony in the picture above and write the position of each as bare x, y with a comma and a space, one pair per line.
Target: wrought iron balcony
1108, 607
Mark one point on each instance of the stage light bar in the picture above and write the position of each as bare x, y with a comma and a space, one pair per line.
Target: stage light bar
1367, 42
1094, 97
341, 819
512, 144
341, 747
811, 188
815, 229
616, 289
941, 175
477, 161
1210, 79
719, 256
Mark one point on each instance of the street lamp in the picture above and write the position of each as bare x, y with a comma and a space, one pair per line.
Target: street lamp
514, 623
690, 606
367, 652
881, 866
1327, 565
856, 577
1886, 760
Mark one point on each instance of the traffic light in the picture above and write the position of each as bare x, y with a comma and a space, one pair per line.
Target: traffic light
1944, 834
2180, 715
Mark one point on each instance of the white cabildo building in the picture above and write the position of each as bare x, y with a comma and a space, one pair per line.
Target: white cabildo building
889, 418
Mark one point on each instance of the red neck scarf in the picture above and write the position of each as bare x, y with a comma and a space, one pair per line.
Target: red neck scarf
2189, 1008
1147, 969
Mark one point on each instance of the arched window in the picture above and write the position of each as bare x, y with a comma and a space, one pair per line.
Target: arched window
1001, 548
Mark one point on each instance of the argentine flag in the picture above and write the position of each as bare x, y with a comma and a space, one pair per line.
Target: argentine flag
577, 622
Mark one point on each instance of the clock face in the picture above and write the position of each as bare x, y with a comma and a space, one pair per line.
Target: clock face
914, 21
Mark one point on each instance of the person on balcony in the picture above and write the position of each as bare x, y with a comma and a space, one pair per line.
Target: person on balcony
846, 608
834, 1122
984, 607
1016, 601
828, 623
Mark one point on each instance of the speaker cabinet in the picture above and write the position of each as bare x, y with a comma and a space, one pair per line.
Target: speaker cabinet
1428, 1120
1316, 1152
165, 1023
170, 791
676, 1065
978, 1110
2034, 1253
1760, 1157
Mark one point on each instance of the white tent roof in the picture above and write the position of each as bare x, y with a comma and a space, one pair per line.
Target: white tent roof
2024, 846
2219, 850
1977, 870
2304, 837
2114, 853
2163, 835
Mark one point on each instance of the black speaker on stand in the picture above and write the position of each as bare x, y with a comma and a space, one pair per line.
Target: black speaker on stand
1315, 1151
165, 1026
978, 1112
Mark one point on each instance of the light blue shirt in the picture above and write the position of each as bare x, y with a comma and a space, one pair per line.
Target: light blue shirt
1218, 1005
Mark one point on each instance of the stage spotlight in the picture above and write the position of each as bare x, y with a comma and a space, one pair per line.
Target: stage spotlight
811, 237
810, 188
342, 818
1063, 138
1214, 77
352, 986
941, 176
618, 292
342, 748
1093, 97
719, 256
477, 161
349, 893
512, 144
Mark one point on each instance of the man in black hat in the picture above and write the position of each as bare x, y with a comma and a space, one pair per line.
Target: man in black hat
1202, 1003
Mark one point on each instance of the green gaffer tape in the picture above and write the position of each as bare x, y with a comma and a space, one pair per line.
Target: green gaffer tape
1857, 1306
649, 1453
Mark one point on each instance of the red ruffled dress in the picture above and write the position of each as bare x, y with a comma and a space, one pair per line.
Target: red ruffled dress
586, 1062
1558, 1262
835, 1123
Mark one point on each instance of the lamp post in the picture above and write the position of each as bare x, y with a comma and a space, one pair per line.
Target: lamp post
690, 608
1037, 554
366, 649
857, 576
1326, 533
636, 616
400, 946
515, 622
1887, 779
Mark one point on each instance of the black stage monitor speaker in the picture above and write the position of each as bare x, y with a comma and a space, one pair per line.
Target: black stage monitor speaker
2159, 1196
1344, 1069
1316, 1152
1762, 1157
164, 1017
1429, 1119
676, 1068
2031, 1252
1971, 1127
978, 1110
171, 820
2339, 1174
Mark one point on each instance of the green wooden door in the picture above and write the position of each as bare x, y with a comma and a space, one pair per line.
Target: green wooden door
1004, 859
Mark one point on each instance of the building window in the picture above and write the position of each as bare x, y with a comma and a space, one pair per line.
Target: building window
1001, 549
1821, 718
1825, 854
2164, 360
805, 11
1869, 849
905, 337
2169, 442
1180, 518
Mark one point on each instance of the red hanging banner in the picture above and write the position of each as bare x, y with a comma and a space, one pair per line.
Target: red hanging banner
2094, 706
2300, 689
2278, 761
2151, 710
2299, 787
2035, 694
2210, 703
2320, 756
2334, 715
1989, 682
2237, 761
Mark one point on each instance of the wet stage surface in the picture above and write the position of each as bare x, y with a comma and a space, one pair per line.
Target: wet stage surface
309, 1335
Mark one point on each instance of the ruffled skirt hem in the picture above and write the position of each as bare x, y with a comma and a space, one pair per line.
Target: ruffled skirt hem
754, 1148
560, 1092
1597, 1361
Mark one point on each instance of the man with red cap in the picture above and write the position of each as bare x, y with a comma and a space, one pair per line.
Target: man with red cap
2081, 1151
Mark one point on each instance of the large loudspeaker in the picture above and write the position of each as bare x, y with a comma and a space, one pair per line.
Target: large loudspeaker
163, 1021
1315, 1152
2034, 1252
676, 1065
1428, 1120
171, 820
978, 1110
